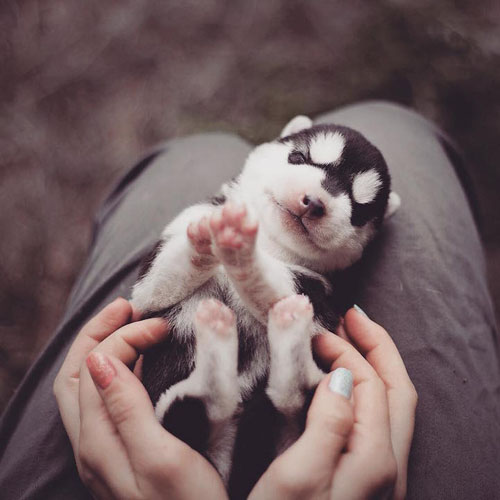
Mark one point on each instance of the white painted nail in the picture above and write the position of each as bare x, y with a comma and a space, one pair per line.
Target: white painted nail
358, 309
341, 382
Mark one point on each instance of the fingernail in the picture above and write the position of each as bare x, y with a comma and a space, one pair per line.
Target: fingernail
100, 368
360, 310
341, 382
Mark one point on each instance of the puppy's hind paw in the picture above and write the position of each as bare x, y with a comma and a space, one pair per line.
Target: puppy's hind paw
217, 358
213, 317
292, 369
294, 312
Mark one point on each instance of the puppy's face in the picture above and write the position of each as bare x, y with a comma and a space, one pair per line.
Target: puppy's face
320, 192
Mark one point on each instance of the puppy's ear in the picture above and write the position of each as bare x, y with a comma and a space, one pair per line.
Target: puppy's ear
296, 124
393, 204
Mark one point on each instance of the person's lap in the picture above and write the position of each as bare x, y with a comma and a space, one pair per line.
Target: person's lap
423, 279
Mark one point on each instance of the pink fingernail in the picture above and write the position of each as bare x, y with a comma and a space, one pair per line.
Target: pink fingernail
101, 369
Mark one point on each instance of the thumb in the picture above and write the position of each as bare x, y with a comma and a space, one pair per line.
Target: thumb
330, 417
310, 462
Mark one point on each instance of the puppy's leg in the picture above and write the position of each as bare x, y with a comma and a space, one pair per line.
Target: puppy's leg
259, 279
293, 371
183, 263
211, 391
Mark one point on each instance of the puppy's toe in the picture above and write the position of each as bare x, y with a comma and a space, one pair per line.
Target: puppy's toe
213, 316
293, 310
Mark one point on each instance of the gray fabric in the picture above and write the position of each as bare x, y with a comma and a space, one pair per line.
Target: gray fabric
423, 279
36, 460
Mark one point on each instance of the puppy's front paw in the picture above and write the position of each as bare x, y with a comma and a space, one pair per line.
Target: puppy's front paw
198, 233
234, 234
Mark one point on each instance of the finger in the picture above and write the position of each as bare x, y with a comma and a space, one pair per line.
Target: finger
306, 468
125, 344
369, 447
136, 313
103, 324
334, 351
341, 331
116, 314
66, 383
130, 341
101, 455
379, 349
138, 367
330, 416
370, 398
101, 452
129, 409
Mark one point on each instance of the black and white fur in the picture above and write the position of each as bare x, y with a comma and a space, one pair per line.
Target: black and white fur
233, 379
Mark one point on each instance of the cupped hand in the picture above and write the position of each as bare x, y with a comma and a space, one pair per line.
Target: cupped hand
354, 448
120, 448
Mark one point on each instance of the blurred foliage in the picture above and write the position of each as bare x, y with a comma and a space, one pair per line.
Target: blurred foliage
86, 87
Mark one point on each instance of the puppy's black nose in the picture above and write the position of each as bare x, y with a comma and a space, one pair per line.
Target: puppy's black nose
313, 207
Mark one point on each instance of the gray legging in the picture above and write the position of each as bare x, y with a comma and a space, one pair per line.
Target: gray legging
423, 279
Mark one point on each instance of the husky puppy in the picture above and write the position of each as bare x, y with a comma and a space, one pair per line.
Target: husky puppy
235, 278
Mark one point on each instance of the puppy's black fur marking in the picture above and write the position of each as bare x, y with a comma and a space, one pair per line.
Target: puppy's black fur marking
174, 353
187, 419
359, 155
324, 310
255, 446
246, 347
217, 200
259, 434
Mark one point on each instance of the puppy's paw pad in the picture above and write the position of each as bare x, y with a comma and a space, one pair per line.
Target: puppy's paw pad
296, 309
199, 236
232, 227
214, 316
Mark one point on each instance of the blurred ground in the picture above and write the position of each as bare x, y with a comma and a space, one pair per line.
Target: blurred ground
86, 87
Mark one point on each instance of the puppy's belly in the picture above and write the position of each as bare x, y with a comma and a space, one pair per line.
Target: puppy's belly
243, 442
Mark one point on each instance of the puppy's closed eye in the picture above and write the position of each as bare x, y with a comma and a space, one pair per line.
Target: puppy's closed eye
296, 158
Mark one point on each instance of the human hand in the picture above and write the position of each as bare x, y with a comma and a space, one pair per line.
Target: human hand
351, 451
120, 448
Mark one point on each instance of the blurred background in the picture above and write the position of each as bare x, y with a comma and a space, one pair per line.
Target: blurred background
87, 87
